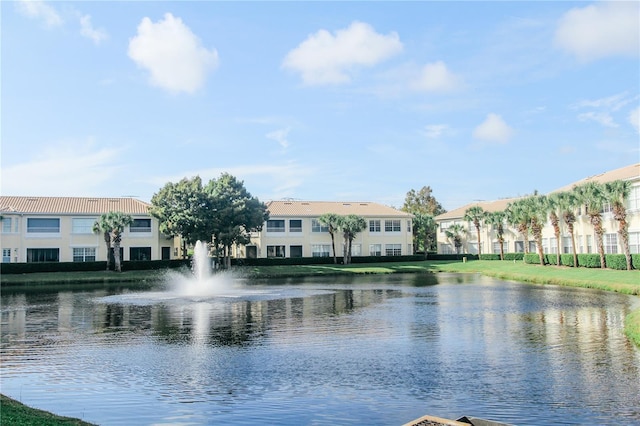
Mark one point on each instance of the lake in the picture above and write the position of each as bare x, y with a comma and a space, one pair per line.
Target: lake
377, 350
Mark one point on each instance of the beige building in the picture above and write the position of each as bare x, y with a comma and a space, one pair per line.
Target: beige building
59, 229
293, 230
583, 230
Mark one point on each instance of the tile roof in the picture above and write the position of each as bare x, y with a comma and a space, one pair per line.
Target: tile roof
317, 208
631, 172
72, 205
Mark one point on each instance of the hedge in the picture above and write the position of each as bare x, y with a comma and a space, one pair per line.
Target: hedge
591, 260
130, 265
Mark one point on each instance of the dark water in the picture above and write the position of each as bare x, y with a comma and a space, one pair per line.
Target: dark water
378, 350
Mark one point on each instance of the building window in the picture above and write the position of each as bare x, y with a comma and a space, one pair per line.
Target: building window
84, 254
375, 250
496, 247
43, 226
446, 249
611, 243
356, 249
6, 255
566, 245
634, 242
316, 226
139, 253
6, 225
140, 225
275, 225
409, 226
532, 246
295, 225
393, 249
43, 255
320, 250
518, 246
374, 226
607, 208
444, 226
82, 226
392, 225
276, 251
295, 251
553, 245
633, 201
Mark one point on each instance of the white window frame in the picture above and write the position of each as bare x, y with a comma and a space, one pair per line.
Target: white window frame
374, 226
634, 242
320, 250
317, 226
392, 226
375, 249
84, 254
611, 243
82, 225
393, 249
275, 229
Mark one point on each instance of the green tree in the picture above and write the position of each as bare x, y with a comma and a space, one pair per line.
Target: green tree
332, 222
592, 195
567, 202
454, 234
235, 214
616, 193
537, 206
555, 217
103, 226
496, 220
422, 202
350, 225
476, 214
183, 209
119, 221
424, 231
517, 214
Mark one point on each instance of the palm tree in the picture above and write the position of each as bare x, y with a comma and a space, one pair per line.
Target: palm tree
555, 216
496, 219
454, 234
331, 220
475, 214
537, 207
118, 221
517, 214
567, 202
592, 195
617, 193
103, 226
350, 225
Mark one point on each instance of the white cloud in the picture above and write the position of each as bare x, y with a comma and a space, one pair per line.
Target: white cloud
172, 54
599, 117
612, 103
63, 170
599, 30
493, 129
434, 131
324, 58
436, 77
634, 118
87, 30
280, 136
41, 11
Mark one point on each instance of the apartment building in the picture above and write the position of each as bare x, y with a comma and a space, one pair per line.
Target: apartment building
583, 230
59, 229
293, 230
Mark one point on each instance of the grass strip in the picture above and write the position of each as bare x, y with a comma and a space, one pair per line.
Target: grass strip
15, 413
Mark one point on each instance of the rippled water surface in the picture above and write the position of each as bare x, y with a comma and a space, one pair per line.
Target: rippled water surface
333, 351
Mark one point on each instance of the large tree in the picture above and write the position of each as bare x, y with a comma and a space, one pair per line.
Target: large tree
592, 195
103, 226
496, 220
332, 222
119, 221
422, 202
184, 210
567, 202
616, 193
517, 214
424, 231
350, 226
555, 217
476, 215
235, 215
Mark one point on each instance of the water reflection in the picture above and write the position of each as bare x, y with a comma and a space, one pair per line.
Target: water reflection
377, 350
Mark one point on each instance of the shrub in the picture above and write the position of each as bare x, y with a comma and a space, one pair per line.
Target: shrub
589, 260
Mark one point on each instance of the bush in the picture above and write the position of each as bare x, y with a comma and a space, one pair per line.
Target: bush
27, 268
589, 260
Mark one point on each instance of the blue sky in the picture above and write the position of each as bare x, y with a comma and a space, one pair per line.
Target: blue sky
358, 101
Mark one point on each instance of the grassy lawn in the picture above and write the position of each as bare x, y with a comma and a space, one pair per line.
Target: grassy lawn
16, 414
